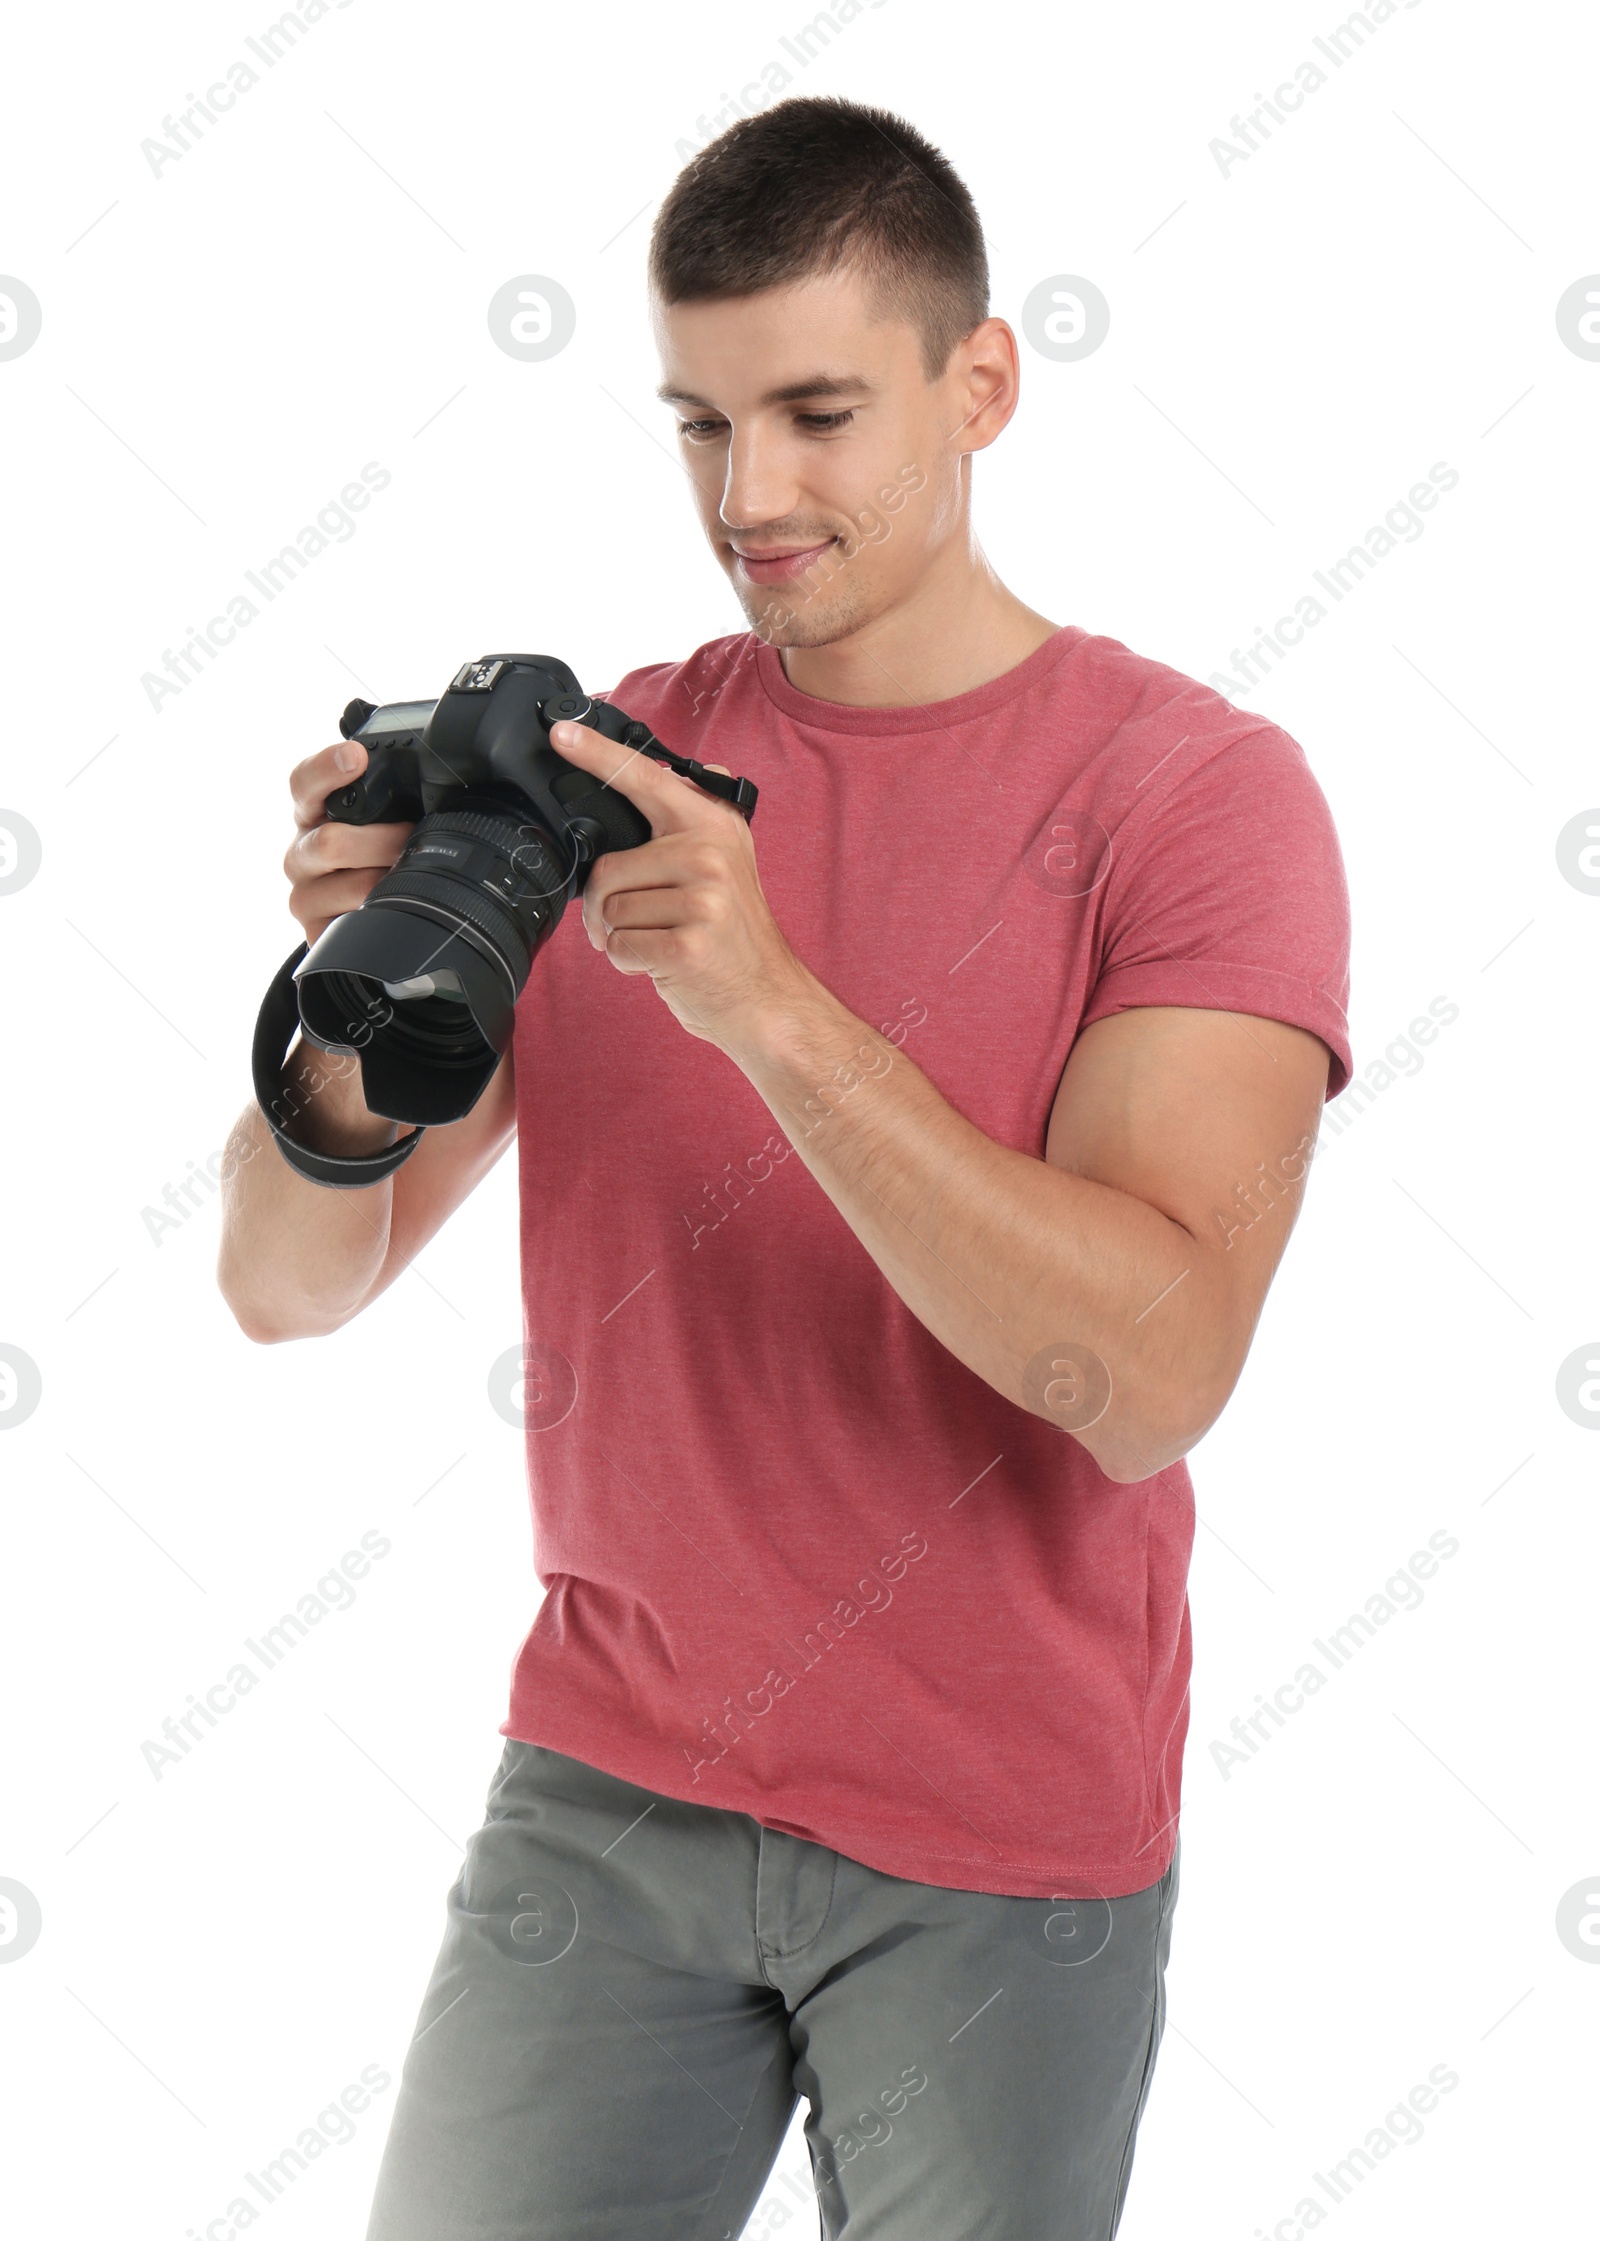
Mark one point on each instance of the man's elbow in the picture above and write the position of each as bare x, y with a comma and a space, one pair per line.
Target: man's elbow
1130, 1448
261, 1331
1128, 1469
268, 1321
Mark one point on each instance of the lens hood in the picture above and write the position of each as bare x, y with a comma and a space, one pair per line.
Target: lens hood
425, 1056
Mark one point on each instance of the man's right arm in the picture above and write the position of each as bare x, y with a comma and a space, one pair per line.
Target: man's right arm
298, 1259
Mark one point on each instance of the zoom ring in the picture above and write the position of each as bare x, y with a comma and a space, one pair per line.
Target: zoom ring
501, 926
501, 832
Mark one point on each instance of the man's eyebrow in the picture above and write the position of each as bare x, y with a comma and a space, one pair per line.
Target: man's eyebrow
792, 392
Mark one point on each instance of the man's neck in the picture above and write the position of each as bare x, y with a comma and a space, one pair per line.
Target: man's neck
961, 629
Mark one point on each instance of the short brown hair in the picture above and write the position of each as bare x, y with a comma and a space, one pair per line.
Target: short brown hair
814, 183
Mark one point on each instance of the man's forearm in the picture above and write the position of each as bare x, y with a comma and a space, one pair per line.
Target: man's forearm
1006, 1259
296, 1259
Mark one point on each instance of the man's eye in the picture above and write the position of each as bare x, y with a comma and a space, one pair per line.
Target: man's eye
815, 423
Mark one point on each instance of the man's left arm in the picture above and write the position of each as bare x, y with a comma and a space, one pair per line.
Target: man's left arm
1112, 1286
1145, 1238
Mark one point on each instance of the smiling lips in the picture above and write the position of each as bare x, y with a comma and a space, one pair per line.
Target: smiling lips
778, 564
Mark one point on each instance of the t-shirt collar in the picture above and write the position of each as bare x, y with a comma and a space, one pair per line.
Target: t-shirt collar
926, 716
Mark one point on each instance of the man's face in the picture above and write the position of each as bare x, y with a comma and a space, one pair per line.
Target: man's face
825, 463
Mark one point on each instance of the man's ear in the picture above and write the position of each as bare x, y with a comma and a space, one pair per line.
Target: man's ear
987, 382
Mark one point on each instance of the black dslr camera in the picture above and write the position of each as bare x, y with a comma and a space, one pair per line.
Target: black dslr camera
422, 979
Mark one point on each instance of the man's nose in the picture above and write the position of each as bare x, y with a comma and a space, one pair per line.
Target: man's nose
759, 487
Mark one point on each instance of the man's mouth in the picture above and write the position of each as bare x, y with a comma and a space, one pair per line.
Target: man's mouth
778, 564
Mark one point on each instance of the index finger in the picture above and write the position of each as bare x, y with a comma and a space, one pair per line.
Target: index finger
311, 782
670, 800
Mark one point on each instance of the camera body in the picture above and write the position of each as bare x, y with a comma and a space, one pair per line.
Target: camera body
488, 736
422, 979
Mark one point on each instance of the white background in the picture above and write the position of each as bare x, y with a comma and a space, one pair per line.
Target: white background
1374, 1892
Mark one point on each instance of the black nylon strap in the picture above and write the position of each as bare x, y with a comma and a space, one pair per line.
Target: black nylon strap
277, 1023
739, 791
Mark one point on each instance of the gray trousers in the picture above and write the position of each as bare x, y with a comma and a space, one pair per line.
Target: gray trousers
633, 1992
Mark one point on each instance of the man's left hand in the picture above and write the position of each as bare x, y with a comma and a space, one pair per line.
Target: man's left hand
685, 906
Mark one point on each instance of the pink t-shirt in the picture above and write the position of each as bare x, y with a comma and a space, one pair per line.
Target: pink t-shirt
798, 1560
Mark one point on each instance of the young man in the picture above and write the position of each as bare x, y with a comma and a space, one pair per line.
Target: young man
901, 1185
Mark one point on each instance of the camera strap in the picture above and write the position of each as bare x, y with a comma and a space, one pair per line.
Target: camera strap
277, 1023
739, 791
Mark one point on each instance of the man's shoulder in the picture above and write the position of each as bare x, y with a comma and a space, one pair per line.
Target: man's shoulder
683, 691
1135, 715
1132, 688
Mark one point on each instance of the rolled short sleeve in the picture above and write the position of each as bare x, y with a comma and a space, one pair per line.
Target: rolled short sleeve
1229, 894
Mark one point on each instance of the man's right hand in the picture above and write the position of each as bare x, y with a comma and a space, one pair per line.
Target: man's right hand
333, 868
296, 1258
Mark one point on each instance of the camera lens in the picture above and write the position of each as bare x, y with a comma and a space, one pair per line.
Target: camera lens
423, 978
438, 1030
425, 984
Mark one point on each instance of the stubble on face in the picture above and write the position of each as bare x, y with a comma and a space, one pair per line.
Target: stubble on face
824, 606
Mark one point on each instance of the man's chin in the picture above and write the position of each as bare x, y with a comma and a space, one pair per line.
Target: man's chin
808, 622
